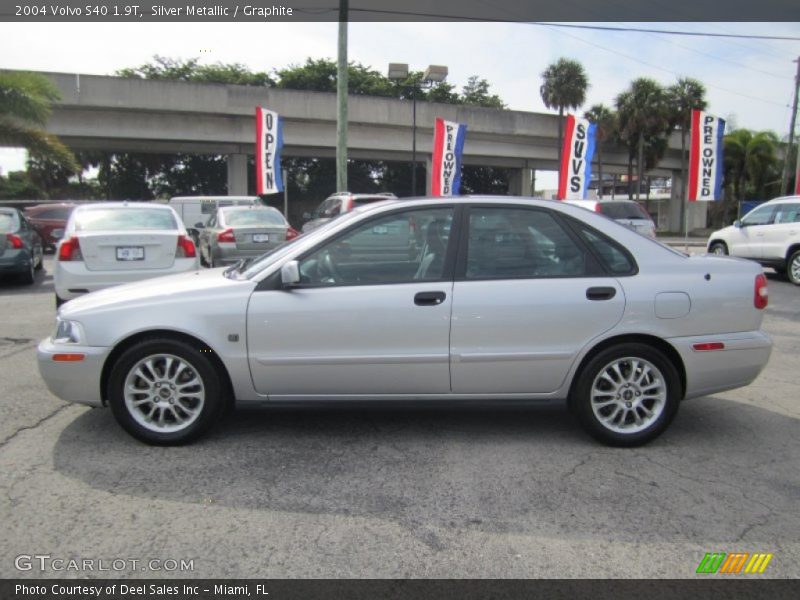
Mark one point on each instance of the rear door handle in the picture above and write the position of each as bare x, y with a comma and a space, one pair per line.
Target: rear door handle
601, 293
429, 298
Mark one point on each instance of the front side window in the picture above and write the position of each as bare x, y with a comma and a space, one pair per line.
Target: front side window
759, 216
514, 243
398, 248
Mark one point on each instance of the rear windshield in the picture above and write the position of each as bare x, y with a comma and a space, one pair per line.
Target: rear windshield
368, 199
244, 218
8, 222
623, 210
125, 219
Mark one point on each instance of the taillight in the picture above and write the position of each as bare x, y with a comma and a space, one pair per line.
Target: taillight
226, 236
291, 233
761, 297
70, 250
598, 208
14, 240
185, 248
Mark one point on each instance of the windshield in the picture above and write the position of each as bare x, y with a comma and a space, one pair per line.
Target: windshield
124, 219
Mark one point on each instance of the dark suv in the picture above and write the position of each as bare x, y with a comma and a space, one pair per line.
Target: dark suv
338, 204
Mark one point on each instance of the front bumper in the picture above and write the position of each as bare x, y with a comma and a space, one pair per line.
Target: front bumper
77, 381
707, 372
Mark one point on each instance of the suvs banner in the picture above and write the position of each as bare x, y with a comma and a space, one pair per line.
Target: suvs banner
576, 159
705, 157
448, 147
269, 141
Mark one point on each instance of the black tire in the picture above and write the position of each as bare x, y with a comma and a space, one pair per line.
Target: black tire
168, 430
793, 267
39, 265
29, 277
609, 401
719, 248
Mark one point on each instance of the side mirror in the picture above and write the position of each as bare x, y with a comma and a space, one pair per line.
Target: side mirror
290, 274
57, 234
737, 223
199, 225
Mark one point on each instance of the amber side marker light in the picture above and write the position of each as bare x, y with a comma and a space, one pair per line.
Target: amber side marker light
68, 357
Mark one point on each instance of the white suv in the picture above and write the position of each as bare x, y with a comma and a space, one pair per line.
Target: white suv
769, 234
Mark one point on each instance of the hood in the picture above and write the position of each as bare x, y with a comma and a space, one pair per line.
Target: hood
200, 285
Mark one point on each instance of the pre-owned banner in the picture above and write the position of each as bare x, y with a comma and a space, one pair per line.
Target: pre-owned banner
705, 157
448, 148
269, 141
576, 159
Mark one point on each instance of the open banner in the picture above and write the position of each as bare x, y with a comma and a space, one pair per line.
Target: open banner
705, 157
575, 172
269, 141
448, 148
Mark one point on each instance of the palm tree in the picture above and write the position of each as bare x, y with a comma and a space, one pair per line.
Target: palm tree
564, 85
25, 100
749, 159
643, 117
605, 122
684, 96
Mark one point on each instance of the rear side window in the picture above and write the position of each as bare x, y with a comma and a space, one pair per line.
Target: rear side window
787, 213
518, 243
125, 219
623, 210
613, 257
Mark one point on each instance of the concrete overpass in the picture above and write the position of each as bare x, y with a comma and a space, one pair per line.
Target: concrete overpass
136, 115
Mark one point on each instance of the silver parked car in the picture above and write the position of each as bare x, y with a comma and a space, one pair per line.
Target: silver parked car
111, 243
504, 299
237, 232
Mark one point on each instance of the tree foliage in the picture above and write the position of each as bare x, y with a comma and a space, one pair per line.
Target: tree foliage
162, 68
564, 85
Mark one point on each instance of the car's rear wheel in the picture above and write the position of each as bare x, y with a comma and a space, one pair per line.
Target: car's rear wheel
793, 267
165, 392
719, 248
29, 275
627, 395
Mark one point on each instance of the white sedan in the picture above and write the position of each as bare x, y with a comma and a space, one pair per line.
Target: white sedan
475, 299
111, 243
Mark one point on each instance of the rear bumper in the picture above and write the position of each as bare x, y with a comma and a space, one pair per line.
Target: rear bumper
73, 279
14, 261
72, 381
707, 372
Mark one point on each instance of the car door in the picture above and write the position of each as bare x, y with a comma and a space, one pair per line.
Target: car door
782, 232
529, 295
748, 239
368, 323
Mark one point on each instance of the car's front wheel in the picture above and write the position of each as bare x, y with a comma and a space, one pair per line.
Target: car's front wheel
793, 267
165, 392
718, 248
627, 395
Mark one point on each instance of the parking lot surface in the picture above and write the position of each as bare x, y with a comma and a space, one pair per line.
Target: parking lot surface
397, 493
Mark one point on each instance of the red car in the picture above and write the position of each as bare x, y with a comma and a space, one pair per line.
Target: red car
46, 218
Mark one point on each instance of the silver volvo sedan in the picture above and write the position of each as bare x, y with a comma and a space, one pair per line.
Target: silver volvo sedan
489, 299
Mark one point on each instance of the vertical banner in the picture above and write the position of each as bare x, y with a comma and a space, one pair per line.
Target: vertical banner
705, 157
575, 171
269, 141
448, 148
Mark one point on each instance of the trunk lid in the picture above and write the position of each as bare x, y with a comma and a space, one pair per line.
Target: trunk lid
128, 250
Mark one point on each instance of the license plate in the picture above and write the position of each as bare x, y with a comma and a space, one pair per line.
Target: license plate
260, 237
130, 253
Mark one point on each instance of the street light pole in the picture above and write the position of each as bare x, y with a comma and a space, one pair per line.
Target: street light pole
433, 74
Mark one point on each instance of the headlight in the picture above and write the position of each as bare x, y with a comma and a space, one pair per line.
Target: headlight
67, 332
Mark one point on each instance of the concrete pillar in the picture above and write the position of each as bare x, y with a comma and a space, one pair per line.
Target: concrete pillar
237, 174
673, 222
521, 182
428, 171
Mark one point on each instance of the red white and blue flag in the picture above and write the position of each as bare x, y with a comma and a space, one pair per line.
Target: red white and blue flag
269, 142
576, 159
448, 148
705, 157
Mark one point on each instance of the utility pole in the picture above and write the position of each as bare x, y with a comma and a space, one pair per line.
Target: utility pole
341, 101
785, 176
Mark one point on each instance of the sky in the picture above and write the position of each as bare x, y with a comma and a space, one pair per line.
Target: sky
749, 82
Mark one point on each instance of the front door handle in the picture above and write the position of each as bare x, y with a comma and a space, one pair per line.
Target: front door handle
601, 293
429, 298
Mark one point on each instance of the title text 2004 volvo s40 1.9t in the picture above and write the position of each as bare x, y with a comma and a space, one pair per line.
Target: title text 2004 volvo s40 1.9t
479, 299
